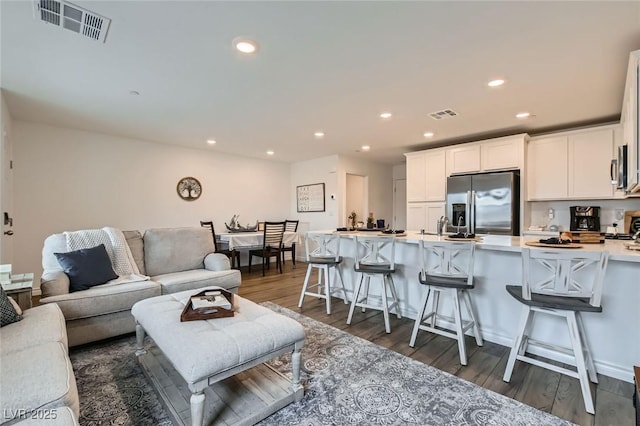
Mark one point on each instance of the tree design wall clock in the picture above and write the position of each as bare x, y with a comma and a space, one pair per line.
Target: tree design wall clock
189, 188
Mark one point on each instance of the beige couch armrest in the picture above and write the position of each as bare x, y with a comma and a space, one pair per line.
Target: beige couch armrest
54, 283
216, 262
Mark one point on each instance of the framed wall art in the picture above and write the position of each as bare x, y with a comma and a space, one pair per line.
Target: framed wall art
310, 198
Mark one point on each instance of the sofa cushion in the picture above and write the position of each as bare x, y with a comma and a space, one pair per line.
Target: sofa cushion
169, 250
37, 379
87, 267
197, 278
8, 314
103, 299
136, 245
42, 324
56, 243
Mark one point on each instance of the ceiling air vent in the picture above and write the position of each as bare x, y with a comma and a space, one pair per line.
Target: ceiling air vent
445, 113
74, 18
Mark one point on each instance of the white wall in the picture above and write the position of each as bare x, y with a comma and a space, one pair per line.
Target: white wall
69, 179
319, 170
6, 180
355, 197
380, 187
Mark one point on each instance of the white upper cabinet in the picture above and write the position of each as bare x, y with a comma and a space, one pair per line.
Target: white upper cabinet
571, 165
436, 176
426, 176
463, 159
589, 164
416, 177
630, 119
502, 154
494, 154
547, 169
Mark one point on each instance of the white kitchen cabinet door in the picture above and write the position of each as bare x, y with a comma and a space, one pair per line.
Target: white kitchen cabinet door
424, 216
589, 161
504, 154
464, 159
547, 169
416, 177
436, 176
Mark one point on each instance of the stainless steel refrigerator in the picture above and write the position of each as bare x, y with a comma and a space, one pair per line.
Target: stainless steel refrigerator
488, 202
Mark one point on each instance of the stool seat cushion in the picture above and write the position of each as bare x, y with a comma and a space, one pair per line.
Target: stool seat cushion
553, 302
444, 281
200, 349
325, 260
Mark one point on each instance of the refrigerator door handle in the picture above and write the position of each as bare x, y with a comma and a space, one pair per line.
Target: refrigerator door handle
471, 229
468, 210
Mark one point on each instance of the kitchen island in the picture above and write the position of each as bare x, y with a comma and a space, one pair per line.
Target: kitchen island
612, 334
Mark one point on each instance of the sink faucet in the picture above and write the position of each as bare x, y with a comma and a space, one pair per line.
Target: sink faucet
442, 225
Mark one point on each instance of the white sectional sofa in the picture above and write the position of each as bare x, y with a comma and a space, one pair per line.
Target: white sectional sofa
176, 259
38, 384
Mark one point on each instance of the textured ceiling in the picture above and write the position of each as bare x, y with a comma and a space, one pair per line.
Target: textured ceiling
331, 66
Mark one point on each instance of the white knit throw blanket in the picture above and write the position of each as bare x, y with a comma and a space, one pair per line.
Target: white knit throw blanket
117, 248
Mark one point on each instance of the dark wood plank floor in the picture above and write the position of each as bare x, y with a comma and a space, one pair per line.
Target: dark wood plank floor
535, 386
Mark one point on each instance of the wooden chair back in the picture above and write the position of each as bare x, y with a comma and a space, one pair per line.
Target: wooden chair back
291, 225
272, 233
564, 273
209, 225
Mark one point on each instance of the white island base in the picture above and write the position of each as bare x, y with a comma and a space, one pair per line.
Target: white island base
613, 335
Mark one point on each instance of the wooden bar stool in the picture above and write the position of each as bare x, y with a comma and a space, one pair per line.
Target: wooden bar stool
324, 257
561, 283
373, 263
447, 267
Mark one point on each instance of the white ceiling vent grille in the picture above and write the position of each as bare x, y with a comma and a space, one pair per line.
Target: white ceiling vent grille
445, 113
74, 18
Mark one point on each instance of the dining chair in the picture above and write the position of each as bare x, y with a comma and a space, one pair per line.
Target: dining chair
561, 283
221, 247
447, 268
271, 245
323, 254
290, 226
371, 262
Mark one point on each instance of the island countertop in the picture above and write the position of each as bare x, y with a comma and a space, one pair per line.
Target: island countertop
617, 249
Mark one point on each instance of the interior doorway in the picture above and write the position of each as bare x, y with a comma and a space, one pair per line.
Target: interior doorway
356, 198
399, 204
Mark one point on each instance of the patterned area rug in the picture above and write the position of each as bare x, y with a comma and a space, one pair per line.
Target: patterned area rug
348, 380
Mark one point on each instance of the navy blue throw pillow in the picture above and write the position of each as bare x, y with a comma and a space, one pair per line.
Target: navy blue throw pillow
86, 267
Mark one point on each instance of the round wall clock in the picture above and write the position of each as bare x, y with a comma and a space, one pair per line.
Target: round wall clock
189, 188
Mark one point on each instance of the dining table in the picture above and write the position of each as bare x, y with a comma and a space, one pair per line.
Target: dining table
248, 240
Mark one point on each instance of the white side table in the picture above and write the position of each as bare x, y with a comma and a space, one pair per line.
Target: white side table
20, 289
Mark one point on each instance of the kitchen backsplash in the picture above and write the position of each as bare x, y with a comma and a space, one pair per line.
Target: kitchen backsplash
609, 209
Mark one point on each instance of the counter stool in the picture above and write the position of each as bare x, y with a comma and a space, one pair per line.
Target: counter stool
325, 256
374, 263
447, 267
564, 284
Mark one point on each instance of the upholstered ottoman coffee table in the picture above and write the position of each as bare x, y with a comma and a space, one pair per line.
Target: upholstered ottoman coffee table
222, 358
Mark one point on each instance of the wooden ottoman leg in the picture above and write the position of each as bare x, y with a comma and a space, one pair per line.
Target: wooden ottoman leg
296, 358
197, 408
140, 340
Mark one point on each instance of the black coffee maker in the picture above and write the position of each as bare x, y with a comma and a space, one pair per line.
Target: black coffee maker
585, 218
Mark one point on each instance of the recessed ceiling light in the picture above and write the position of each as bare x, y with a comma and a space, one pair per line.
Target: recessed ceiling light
428, 134
319, 134
385, 115
211, 141
365, 147
523, 115
245, 45
495, 83
134, 93
270, 152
